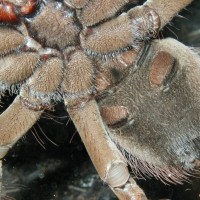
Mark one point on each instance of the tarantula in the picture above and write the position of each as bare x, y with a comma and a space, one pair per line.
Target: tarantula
129, 95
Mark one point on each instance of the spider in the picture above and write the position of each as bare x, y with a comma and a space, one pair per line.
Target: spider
128, 94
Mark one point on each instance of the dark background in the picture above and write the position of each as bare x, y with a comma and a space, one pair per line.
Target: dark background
65, 172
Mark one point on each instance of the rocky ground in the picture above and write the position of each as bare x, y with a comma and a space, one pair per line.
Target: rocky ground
64, 172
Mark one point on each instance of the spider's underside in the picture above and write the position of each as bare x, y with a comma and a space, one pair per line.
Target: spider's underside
95, 58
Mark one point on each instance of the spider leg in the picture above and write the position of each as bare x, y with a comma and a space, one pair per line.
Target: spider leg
76, 3
50, 73
23, 63
107, 159
78, 76
128, 30
13, 57
10, 40
167, 9
95, 11
26, 108
15, 121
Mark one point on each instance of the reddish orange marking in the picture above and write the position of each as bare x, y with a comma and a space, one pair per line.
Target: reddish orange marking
44, 57
7, 12
28, 8
160, 68
127, 57
114, 114
87, 32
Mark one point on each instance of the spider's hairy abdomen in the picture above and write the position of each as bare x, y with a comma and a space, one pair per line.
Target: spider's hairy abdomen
161, 133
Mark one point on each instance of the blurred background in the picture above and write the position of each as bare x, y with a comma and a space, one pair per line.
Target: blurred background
46, 171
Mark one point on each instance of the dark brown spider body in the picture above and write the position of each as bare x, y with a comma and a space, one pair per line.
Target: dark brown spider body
163, 113
82, 51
